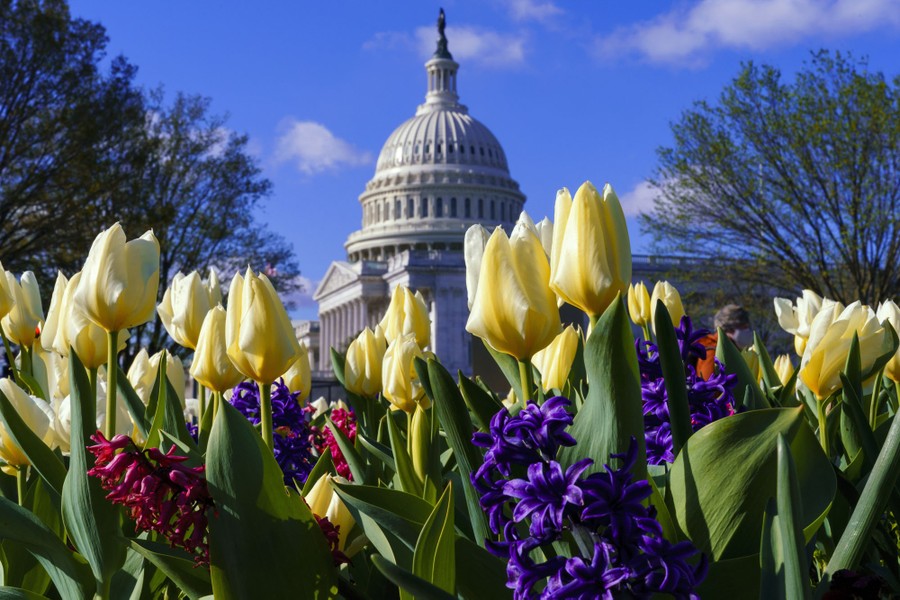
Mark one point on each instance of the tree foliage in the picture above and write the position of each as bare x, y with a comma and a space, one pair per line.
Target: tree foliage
789, 185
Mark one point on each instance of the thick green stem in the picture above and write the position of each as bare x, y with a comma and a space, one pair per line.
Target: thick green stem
27, 366
201, 406
593, 320
265, 415
112, 374
895, 401
874, 404
103, 589
525, 378
21, 473
218, 398
823, 424
92, 381
646, 329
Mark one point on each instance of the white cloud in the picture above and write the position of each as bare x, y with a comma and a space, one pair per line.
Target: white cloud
313, 148
532, 10
689, 35
474, 45
303, 298
639, 199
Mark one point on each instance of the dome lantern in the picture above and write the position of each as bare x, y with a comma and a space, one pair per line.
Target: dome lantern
441, 70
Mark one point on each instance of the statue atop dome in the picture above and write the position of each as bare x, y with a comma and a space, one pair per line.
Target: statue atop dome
442, 51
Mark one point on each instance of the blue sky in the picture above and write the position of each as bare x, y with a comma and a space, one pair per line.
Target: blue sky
573, 90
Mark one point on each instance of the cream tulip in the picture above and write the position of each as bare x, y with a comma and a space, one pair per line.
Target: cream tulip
889, 312
144, 370
797, 319
6, 297
297, 378
751, 358
407, 313
784, 368
665, 291
261, 341
829, 344
402, 387
185, 304
323, 501
211, 365
55, 320
21, 323
590, 260
473, 249
639, 307
555, 361
362, 367
120, 280
514, 310
37, 415
544, 230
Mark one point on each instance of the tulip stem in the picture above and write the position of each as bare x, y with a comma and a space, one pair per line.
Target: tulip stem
646, 329
874, 404
525, 377
265, 415
823, 425
218, 397
112, 375
201, 406
27, 366
20, 484
10, 359
92, 383
894, 401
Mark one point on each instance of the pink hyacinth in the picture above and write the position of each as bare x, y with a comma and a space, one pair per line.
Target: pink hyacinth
344, 420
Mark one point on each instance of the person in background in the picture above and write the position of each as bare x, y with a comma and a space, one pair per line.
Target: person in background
734, 320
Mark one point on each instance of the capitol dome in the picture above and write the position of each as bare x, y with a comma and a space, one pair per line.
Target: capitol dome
437, 174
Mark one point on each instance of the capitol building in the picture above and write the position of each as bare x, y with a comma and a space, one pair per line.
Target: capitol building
439, 173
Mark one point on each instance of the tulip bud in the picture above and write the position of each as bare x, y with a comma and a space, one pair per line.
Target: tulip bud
784, 368
36, 414
320, 404
514, 309
889, 314
401, 383
590, 260
639, 307
6, 297
420, 442
184, 306
119, 281
555, 361
51, 371
407, 313
665, 291
829, 344
144, 370
261, 341
476, 239
53, 325
797, 320
21, 322
362, 368
752, 359
324, 502
211, 365
544, 231
298, 378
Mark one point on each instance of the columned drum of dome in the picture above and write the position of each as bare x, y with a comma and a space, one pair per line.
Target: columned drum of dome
437, 174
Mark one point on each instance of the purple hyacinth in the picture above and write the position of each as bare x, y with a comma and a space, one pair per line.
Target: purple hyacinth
547, 495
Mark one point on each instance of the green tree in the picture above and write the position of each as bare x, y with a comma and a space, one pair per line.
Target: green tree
789, 185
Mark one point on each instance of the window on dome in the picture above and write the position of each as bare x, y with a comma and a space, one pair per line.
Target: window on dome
503, 211
450, 147
472, 148
462, 148
453, 207
490, 153
427, 148
410, 208
482, 150
439, 207
480, 208
468, 208
423, 207
396, 209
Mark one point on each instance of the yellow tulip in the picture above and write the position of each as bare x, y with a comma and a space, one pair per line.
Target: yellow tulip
21, 322
120, 279
6, 297
889, 312
544, 231
261, 341
144, 370
590, 259
473, 250
751, 358
555, 361
829, 344
36, 414
514, 310
185, 304
639, 307
797, 320
784, 368
211, 365
407, 313
401, 383
298, 378
362, 369
324, 502
665, 291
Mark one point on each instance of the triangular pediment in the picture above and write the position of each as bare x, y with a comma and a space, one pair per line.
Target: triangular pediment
339, 275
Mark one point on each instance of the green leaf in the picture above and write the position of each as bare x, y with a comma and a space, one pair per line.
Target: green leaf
377, 449
91, 521
734, 579
434, 559
482, 405
509, 366
263, 539
42, 458
177, 565
323, 466
479, 574
70, 577
735, 364
401, 513
415, 587
612, 412
454, 418
337, 365
14, 593
133, 403
169, 415
855, 431
766, 366
673, 371
354, 460
722, 479
408, 479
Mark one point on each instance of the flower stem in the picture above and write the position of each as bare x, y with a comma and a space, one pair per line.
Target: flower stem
646, 329
20, 484
10, 359
201, 406
525, 378
218, 398
27, 366
894, 401
874, 404
112, 374
593, 320
92, 381
265, 415
823, 425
